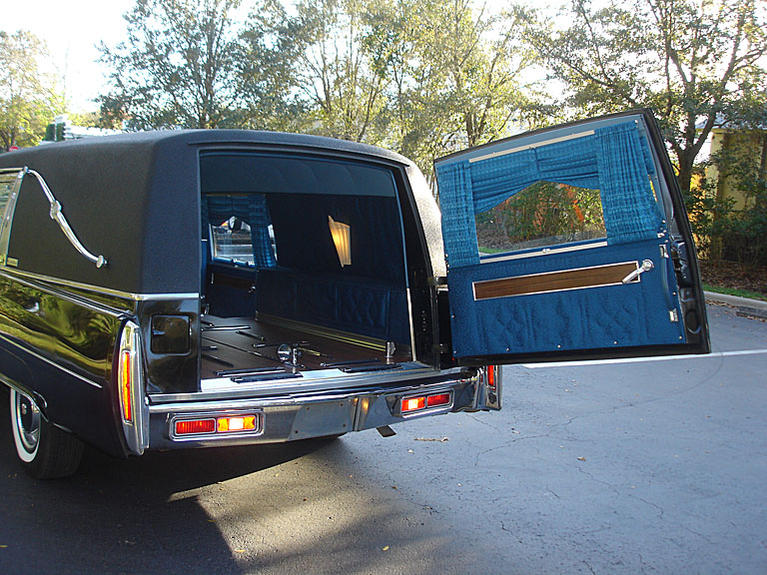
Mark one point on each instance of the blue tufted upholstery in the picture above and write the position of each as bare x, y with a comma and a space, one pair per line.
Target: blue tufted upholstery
356, 305
598, 317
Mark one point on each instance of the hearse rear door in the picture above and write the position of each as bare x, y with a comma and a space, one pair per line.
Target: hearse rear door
570, 243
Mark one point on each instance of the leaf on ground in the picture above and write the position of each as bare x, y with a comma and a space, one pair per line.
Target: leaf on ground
581, 459
385, 548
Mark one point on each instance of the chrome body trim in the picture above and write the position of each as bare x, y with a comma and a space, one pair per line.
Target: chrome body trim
58, 216
50, 362
102, 290
304, 416
533, 146
311, 382
7, 214
100, 308
330, 333
136, 432
543, 252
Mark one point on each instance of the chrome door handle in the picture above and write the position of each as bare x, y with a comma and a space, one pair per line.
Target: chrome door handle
646, 266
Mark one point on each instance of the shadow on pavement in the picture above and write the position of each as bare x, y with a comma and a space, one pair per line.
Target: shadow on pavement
121, 516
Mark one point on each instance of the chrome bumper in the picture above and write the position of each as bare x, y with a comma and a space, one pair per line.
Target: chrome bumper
304, 416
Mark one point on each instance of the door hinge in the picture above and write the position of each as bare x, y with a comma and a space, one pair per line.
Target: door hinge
440, 348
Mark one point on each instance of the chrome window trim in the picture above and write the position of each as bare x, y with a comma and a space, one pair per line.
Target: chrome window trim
7, 212
100, 289
51, 362
542, 252
533, 146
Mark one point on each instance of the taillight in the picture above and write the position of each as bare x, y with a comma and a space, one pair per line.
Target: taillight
236, 423
129, 372
212, 424
129, 389
438, 400
413, 404
490, 382
491, 372
190, 427
125, 383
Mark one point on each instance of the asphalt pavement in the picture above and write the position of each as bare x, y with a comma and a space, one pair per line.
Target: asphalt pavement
641, 467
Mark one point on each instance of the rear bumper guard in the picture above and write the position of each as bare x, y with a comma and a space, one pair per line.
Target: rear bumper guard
318, 414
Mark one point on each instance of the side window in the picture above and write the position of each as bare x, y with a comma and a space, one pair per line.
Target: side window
541, 215
240, 229
232, 241
10, 181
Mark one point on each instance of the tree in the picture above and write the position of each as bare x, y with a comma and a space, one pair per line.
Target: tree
336, 71
177, 67
457, 77
267, 83
695, 63
28, 97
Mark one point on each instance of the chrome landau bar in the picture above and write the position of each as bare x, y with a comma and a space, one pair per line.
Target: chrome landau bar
58, 216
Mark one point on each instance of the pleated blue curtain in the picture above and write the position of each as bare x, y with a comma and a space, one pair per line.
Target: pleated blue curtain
251, 208
630, 210
615, 160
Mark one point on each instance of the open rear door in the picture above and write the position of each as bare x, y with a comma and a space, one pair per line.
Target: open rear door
570, 243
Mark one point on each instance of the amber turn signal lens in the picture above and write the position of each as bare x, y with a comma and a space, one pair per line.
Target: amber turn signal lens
413, 404
236, 423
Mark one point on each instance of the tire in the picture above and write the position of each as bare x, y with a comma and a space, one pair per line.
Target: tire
45, 450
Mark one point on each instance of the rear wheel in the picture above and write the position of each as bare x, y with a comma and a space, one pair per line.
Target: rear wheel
45, 450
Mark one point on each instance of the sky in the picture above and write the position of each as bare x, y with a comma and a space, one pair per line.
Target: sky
72, 30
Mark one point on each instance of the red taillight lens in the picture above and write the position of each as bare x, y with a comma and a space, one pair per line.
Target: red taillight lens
437, 400
491, 369
193, 426
125, 377
236, 423
413, 404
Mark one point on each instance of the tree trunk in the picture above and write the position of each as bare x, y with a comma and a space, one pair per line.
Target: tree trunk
684, 177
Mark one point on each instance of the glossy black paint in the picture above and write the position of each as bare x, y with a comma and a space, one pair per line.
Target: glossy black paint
59, 347
170, 372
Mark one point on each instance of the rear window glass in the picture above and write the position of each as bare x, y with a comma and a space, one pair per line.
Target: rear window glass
232, 241
543, 214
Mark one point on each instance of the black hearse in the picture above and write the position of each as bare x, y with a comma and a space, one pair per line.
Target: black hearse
202, 288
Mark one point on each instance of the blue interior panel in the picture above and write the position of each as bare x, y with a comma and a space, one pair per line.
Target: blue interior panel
356, 305
629, 315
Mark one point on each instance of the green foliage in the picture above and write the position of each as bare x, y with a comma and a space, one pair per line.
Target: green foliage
543, 214
28, 96
177, 67
696, 64
422, 77
723, 231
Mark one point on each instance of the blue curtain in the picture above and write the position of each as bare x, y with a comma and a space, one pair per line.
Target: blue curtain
630, 211
616, 160
252, 209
